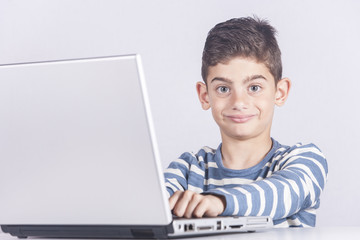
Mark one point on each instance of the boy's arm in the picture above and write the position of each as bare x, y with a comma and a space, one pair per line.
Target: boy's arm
296, 185
184, 182
176, 174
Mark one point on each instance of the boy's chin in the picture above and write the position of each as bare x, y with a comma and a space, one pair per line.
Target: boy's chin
243, 135
240, 136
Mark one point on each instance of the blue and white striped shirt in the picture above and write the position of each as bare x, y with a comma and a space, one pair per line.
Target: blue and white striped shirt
286, 185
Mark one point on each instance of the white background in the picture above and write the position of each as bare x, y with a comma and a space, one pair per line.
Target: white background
320, 43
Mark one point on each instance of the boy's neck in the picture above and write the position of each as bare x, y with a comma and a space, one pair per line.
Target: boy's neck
243, 154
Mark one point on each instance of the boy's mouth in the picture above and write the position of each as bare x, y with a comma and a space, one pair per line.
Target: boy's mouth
240, 118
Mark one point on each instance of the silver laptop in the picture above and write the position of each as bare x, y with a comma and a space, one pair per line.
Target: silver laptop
79, 156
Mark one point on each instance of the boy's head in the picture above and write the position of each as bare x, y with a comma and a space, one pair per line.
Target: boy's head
242, 69
242, 37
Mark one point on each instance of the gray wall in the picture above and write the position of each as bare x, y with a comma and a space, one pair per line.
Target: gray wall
320, 46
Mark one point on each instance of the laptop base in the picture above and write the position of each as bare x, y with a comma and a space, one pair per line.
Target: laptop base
87, 231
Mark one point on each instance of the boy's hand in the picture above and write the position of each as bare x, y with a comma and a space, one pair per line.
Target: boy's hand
190, 204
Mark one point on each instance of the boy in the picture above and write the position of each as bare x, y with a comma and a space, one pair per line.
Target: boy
249, 174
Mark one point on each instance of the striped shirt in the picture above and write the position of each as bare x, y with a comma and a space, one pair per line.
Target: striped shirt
286, 185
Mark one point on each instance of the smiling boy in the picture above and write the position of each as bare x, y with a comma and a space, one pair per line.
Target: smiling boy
250, 173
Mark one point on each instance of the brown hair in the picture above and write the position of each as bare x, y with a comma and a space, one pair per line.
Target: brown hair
242, 37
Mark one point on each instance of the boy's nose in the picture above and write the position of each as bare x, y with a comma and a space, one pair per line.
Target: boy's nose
240, 100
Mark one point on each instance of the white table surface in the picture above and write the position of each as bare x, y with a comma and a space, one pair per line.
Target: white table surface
318, 233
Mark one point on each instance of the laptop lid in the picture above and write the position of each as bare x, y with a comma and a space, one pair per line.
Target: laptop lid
76, 140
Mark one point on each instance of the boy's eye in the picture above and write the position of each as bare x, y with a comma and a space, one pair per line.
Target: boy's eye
223, 89
255, 88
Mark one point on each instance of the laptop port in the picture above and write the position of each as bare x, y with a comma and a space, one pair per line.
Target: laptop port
235, 226
205, 228
189, 227
218, 225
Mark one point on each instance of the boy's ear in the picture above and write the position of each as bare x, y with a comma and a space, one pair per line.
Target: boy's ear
282, 91
203, 95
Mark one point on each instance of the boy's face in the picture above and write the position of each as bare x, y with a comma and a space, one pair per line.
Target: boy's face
242, 95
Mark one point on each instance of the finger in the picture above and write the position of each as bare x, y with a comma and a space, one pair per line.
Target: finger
182, 203
194, 202
201, 208
174, 198
210, 206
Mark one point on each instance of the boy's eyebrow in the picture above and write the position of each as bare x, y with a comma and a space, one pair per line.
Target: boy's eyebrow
246, 80
254, 77
221, 79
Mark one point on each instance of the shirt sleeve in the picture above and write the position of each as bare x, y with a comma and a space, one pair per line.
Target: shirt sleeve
295, 184
176, 174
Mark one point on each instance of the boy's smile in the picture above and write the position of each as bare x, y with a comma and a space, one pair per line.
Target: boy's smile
238, 118
242, 94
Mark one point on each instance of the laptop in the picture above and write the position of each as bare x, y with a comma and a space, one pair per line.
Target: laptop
79, 157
